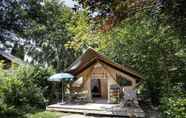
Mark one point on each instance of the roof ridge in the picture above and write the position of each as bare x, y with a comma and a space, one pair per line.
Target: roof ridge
11, 57
86, 51
91, 54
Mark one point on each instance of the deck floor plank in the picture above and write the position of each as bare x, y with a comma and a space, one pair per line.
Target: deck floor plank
97, 109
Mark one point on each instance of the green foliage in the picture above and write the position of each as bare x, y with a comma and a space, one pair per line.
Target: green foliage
45, 114
151, 50
83, 34
43, 31
120, 9
15, 17
23, 90
174, 12
173, 105
51, 36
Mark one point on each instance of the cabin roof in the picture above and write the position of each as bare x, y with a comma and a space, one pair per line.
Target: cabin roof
91, 57
11, 58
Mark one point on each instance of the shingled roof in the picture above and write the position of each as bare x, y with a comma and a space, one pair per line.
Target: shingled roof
11, 58
91, 56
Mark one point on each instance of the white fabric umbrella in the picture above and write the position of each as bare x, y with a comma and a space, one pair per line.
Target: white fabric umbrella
60, 77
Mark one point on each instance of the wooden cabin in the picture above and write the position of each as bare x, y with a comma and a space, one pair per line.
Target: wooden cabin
98, 75
7, 60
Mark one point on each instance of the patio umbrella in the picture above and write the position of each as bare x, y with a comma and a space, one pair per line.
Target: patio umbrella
60, 77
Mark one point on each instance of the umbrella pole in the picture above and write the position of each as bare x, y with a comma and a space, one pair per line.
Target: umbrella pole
62, 97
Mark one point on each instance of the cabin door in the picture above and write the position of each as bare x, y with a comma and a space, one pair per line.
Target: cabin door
96, 88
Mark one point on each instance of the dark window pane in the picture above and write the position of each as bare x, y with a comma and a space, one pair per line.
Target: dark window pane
122, 81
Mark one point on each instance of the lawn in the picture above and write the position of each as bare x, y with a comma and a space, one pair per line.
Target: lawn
46, 114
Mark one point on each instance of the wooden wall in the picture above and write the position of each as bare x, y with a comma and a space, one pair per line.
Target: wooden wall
108, 78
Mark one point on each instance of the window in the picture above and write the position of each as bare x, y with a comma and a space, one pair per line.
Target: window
122, 81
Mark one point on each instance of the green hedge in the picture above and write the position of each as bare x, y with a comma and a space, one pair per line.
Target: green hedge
23, 89
173, 104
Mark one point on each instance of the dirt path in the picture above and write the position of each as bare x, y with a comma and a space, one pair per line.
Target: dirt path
82, 116
77, 116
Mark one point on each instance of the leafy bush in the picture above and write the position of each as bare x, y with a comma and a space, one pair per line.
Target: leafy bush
175, 107
173, 104
23, 89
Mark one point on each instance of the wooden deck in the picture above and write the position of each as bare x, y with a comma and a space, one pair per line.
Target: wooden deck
97, 109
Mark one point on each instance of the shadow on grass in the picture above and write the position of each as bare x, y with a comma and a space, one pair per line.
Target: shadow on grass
19, 112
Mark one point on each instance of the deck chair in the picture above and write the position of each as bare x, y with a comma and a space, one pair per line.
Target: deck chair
82, 96
129, 98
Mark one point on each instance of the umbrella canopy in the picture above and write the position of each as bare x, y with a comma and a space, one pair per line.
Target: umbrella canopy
60, 76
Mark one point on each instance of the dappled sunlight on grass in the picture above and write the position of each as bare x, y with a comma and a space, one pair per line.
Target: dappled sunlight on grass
46, 114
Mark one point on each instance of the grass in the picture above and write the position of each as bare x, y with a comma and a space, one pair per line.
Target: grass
46, 114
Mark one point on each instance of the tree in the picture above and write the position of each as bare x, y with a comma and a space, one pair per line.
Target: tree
37, 29
15, 17
114, 11
108, 13
152, 52
49, 37
174, 12
83, 32
155, 51
118, 8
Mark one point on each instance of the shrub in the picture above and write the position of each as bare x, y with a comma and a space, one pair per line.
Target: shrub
174, 107
22, 90
173, 104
